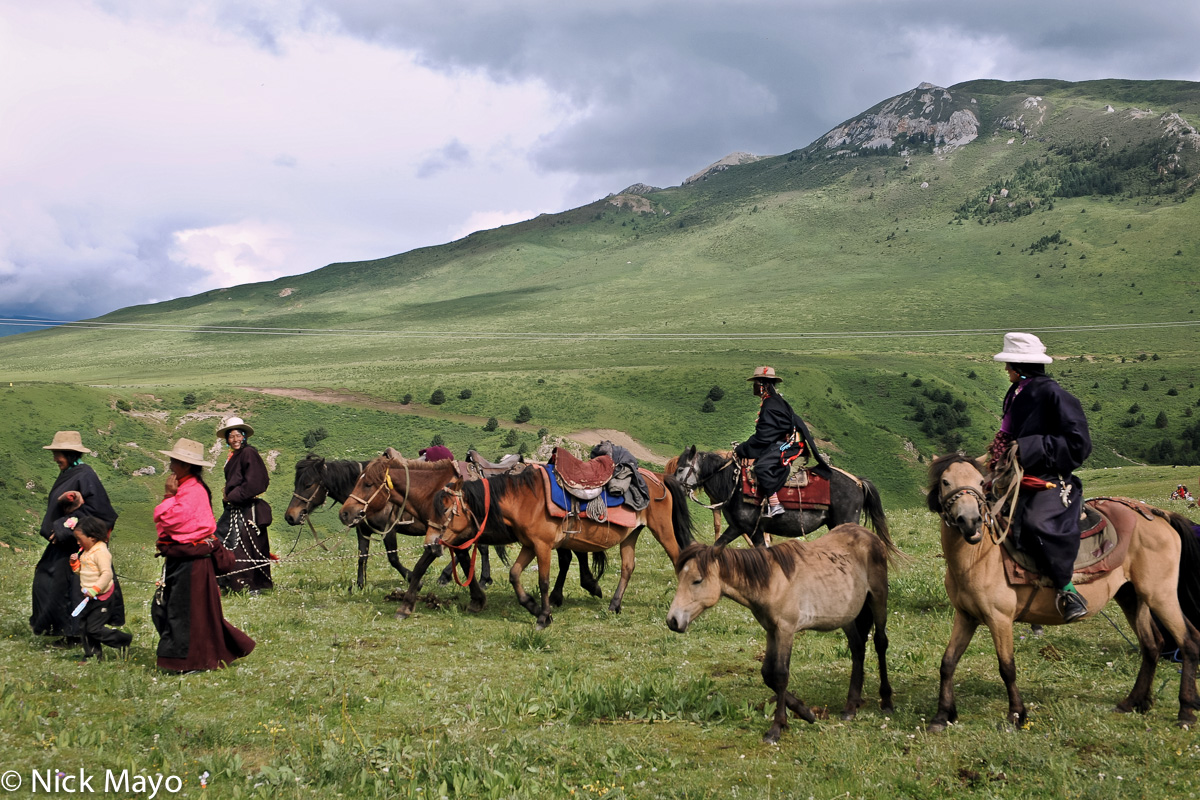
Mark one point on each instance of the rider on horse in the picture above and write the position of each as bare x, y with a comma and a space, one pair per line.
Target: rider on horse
780, 437
1046, 425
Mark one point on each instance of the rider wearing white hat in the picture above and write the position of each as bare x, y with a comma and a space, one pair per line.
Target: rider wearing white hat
1047, 425
243, 524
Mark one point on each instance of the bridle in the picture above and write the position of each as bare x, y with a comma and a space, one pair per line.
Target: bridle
988, 522
460, 507
692, 479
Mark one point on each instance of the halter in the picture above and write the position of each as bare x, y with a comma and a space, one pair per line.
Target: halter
449, 516
951, 496
366, 504
692, 479
308, 500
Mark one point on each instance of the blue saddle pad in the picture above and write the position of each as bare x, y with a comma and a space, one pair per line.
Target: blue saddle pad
564, 500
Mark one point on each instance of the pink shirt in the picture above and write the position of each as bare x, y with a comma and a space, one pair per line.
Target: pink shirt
186, 516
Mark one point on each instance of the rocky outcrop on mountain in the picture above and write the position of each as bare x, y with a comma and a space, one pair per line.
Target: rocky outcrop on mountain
731, 160
639, 188
634, 202
928, 116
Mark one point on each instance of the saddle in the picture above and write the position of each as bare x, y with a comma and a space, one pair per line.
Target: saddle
476, 466
1106, 526
604, 507
805, 488
584, 479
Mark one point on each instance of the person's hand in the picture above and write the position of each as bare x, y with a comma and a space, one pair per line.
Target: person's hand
75, 565
70, 501
90, 591
172, 485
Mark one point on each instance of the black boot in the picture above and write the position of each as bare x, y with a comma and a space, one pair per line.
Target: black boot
1071, 605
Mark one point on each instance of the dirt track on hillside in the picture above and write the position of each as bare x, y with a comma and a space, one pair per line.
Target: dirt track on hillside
590, 437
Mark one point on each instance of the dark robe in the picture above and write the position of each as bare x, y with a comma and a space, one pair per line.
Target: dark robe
194, 633
243, 523
55, 587
1050, 429
770, 445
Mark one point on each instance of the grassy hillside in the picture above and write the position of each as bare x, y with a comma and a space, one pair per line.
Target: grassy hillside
1071, 209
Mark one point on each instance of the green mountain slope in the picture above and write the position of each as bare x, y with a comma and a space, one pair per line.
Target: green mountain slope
987, 206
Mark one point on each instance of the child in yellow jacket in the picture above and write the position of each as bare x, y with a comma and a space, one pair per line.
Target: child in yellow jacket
104, 605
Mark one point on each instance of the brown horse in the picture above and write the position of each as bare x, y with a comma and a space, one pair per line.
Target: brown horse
1163, 561
837, 581
388, 487
518, 503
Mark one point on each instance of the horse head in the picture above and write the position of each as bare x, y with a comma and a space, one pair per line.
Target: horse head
687, 471
371, 493
956, 494
699, 585
309, 492
452, 517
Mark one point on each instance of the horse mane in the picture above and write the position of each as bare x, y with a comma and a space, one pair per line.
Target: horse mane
750, 567
937, 468
499, 487
719, 483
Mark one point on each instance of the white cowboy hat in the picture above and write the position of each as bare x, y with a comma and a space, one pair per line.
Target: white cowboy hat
234, 422
1023, 348
189, 452
67, 440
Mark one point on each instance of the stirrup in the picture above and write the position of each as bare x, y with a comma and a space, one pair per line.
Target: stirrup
1071, 605
773, 511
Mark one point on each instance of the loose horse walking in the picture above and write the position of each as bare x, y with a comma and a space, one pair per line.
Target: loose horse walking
719, 475
1163, 560
837, 581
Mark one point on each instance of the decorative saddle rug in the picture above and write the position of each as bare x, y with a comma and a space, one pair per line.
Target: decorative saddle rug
559, 504
805, 488
1106, 527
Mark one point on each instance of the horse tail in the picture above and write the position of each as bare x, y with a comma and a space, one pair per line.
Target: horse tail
681, 516
599, 563
1189, 567
873, 506
501, 553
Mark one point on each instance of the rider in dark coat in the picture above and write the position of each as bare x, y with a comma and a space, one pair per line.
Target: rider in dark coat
1050, 430
780, 436
243, 524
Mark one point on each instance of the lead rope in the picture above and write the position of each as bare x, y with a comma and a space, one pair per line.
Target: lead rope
1012, 473
487, 509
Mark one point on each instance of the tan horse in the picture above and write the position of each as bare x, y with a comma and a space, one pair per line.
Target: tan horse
837, 581
518, 503
1163, 552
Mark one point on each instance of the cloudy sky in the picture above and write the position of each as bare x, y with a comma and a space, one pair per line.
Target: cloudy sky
151, 149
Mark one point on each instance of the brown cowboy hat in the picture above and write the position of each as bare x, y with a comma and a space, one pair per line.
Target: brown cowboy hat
189, 452
765, 374
67, 440
234, 423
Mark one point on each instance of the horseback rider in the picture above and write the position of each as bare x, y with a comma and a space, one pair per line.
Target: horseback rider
780, 437
1046, 425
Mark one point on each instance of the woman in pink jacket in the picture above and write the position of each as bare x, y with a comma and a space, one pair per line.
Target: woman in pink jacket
187, 612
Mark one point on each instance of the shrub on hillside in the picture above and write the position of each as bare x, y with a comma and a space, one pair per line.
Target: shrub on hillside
511, 438
716, 393
524, 414
406, 399
492, 424
708, 406
313, 436
437, 398
465, 394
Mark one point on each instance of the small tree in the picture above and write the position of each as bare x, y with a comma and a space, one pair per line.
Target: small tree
492, 424
1161, 420
543, 433
1096, 406
313, 436
524, 448
511, 439
437, 441
406, 399
708, 406
189, 399
465, 394
524, 414
437, 398
716, 393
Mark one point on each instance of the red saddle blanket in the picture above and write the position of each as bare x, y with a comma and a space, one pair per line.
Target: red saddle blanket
622, 516
1104, 541
805, 489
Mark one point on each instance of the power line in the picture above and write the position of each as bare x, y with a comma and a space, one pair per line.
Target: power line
569, 336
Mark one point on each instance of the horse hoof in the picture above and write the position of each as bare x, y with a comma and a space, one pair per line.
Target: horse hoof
543, 624
935, 727
614, 608
403, 613
474, 608
443, 580
556, 600
849, 715
771, 736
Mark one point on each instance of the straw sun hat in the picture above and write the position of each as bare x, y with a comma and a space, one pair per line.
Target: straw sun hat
189, 452
234, 423
67, 440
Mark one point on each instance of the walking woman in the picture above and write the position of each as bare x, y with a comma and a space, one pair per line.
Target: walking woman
77, 493
187, 611
243, 524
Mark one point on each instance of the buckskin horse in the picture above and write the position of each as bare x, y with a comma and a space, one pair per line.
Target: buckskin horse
719, 475
390, 486
837, 581
318, 479
1161, 566
519, 503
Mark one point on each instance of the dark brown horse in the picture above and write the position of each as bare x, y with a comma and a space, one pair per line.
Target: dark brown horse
719, 475
318, 479
837, 581
519, 503
1161, 564
390, 486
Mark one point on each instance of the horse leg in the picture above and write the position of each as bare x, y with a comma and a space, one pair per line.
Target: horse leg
543, 564
409, 600
564, 565
478, 598
1164, 602
1002, 638
776, 669
587, 581
364, 545
393, 557
514, 577
627, 563
879, 615
447, 574
960, 636
485, 568
856, 637
1149, 643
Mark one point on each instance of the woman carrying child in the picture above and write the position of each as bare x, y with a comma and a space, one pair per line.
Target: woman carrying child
194, 633
104, 609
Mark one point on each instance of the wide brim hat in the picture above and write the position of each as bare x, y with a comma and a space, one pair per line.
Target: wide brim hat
1023, 348
765, 374
234, 423
189, 452
67, 440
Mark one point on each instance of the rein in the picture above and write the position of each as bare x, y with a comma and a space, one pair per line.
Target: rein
470, 543
690, 473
